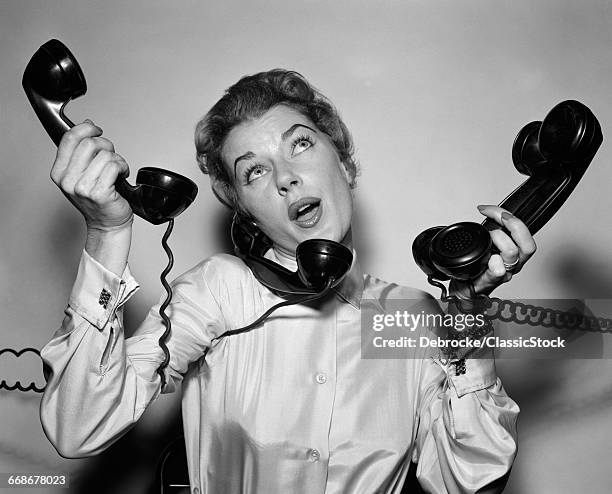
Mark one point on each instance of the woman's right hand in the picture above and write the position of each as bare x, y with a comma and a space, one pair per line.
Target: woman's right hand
86, 169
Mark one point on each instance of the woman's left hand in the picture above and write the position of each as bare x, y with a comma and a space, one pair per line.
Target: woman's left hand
514, 251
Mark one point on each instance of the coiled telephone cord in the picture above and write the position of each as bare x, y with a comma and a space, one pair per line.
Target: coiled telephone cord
162, 309
521, 313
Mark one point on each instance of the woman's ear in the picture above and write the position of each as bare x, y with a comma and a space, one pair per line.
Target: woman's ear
225, 196
219, 189
350, 173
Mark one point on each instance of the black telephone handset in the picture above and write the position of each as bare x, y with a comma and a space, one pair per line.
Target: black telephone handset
320, 262
554, 153
51, 79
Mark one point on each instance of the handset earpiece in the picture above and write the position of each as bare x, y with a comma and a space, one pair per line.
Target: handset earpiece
51, 79
567, 139
570, 134
554, 153
526, 155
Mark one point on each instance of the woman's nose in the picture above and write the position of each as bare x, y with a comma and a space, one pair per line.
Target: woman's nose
286, 177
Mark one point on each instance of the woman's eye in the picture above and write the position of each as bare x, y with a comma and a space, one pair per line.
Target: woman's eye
301, 144
253, 173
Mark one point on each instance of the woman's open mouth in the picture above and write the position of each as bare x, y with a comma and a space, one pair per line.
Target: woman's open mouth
306, 212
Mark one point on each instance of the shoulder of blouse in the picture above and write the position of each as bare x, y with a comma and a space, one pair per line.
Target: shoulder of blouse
218, 273
377, 288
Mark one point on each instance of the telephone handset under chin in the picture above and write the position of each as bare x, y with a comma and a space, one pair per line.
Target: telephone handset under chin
320, 262
554, 153
51, 79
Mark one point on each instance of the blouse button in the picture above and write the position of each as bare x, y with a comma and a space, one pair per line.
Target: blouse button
314, 455
321, 378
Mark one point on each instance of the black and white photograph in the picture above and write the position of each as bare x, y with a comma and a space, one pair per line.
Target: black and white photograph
306, 247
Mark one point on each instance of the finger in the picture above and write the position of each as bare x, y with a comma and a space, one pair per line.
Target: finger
492, 211
70, 140
105, 185
494, 276
81, 159
508, 250
90, 176
518, 230
115, 168
520, 235
89, 147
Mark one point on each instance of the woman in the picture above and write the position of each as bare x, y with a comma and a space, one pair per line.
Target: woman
290, 406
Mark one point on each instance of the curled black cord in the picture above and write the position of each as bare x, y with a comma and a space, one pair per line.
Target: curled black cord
162, 310
521, 313
18, 386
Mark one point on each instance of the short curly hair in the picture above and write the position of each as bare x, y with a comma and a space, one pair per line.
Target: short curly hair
249, 99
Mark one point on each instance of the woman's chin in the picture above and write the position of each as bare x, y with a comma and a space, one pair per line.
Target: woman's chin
334, 234
289, 243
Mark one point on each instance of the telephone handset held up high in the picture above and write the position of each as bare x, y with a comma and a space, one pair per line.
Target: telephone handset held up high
51, 79
554, 154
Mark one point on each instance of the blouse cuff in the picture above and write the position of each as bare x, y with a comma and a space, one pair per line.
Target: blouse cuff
472, 374
97, 292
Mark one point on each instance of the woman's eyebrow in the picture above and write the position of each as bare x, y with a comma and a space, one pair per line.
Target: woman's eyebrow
246, 156
291, 129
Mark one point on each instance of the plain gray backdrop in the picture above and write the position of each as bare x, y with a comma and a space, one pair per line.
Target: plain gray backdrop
434, 93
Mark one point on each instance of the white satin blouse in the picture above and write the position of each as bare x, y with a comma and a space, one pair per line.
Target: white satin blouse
290, 407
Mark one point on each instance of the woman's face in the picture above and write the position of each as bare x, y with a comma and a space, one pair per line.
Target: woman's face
288, 176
